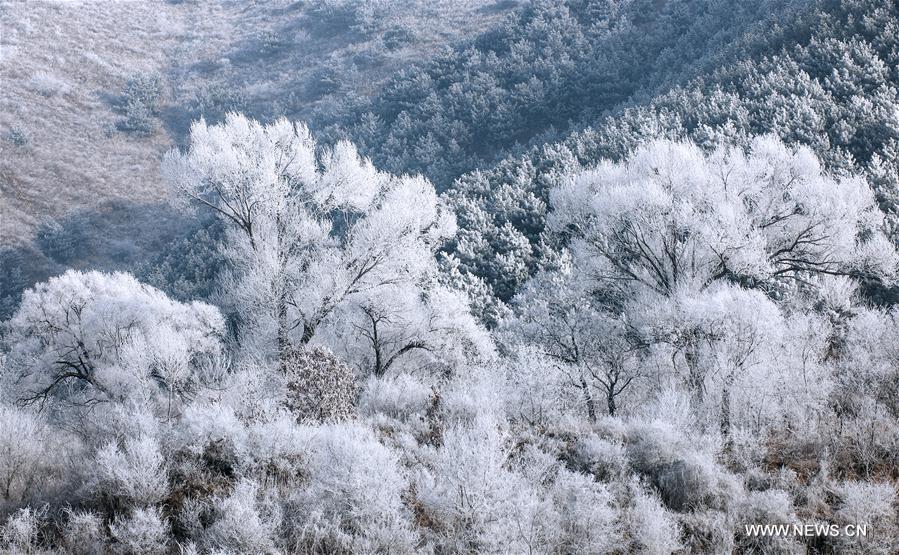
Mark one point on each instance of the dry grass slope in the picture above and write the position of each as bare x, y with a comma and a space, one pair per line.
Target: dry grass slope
63, 67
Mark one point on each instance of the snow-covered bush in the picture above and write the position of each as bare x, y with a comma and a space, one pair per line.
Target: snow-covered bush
140, 103
587, 521
471, 392
145, 531
21, 531
685, 478
204, 424
31, 455
707, 532
351, 499
465, 498
18, 136
766, 507
873, 505
401, 397
404, 408
320, 388
83, 532
605, 460
134, 473
241, 521
652, 529
538, 391
46, 84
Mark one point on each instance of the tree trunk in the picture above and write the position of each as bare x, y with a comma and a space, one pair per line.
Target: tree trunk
379, 362
725, 414
308, 332
376, 345
588, 400
610, 400
283, 335
695, 379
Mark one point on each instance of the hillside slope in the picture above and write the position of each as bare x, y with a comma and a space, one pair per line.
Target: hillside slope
70, 138
63, 67
551, 67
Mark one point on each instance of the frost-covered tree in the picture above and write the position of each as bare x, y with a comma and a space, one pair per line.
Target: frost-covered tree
723, 341
671, 241
85, 338
562, 314
399, 326
310, 231
865, 398
671, 217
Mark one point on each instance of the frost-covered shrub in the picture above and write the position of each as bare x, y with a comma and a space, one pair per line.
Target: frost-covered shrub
401, 397
351, 499
319, 386
472, 392
21, 532
707, 532
211, 447
196, 478
538, 392
866, 396
653, 445
47, 84
83, 532
144, 89
587, 520
694, 482
476, 495
240, 522
18, 136
327, 17
205, 424
58, 241
684, 478
140, 103
31, 455
135, 473
216, 100
276, 452
671, 406
398, 36
138, 120
604, 459
868, 442
746, 452
145, 531
188, 268
212, 450
271, 42
652, 529
766, 507
465, 498
871, 504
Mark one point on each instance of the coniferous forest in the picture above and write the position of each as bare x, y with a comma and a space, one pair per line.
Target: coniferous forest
449, 276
